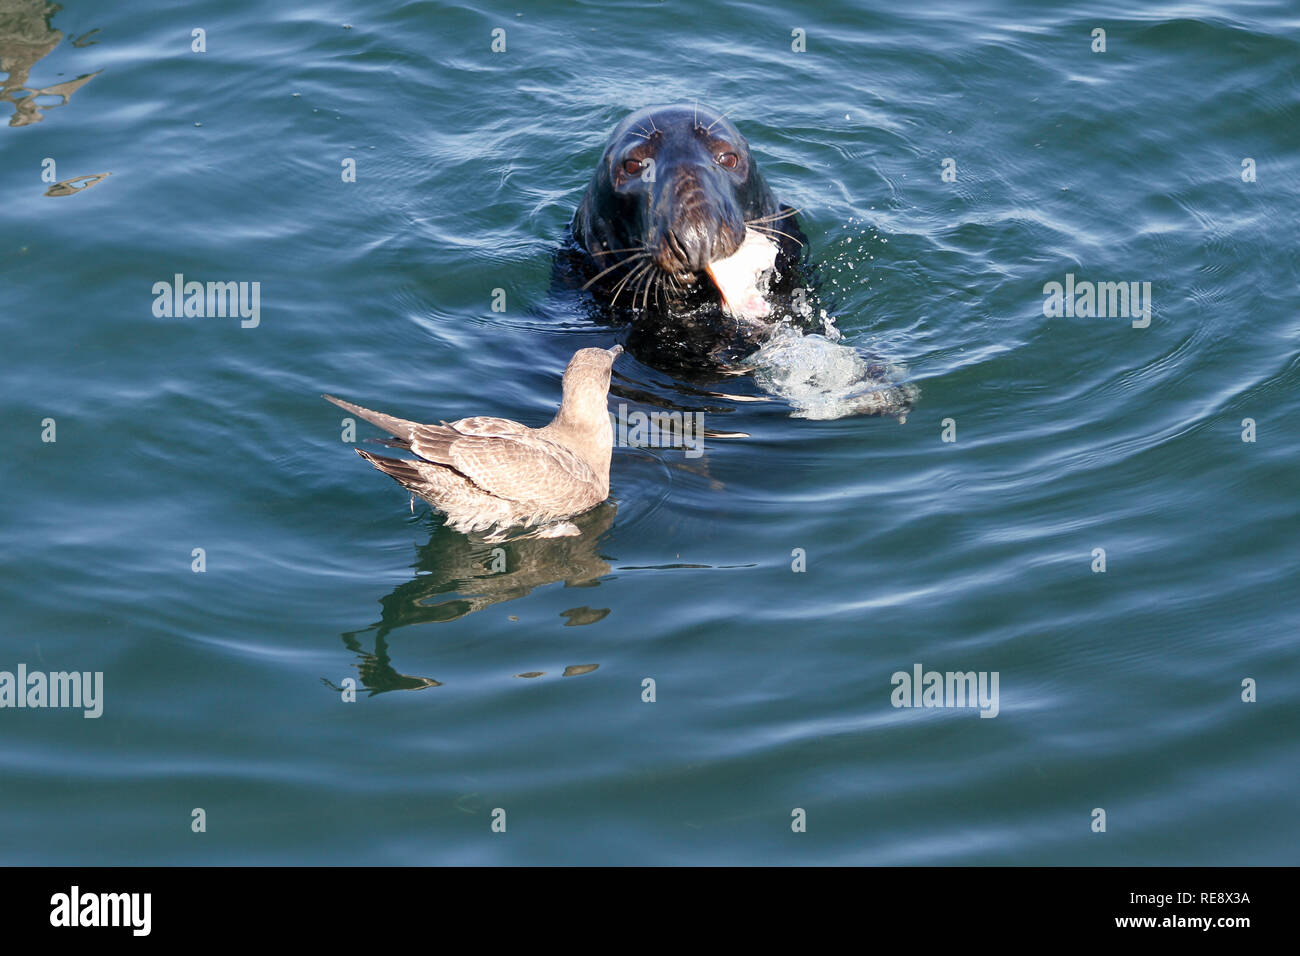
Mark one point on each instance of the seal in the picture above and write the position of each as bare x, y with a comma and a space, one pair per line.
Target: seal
679, 235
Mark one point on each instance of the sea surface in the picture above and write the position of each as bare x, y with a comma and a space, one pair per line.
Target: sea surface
200, 532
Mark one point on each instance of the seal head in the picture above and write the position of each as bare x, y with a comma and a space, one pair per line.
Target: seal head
678, 183
676, 210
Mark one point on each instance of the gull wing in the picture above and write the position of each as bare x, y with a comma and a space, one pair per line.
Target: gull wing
518, 467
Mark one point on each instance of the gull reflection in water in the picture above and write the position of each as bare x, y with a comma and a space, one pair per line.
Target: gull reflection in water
26, 37
77, 184
457, 574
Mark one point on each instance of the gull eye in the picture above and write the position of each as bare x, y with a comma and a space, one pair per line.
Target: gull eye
633, 167
728, 160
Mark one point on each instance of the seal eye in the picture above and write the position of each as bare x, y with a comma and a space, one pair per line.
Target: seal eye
633, 167
728, 160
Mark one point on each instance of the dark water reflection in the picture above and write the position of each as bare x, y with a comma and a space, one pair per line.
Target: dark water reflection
458, 574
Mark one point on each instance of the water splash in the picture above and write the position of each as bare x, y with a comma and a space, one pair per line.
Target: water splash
824, 379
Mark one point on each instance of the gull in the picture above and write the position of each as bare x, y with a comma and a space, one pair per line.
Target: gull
493, 474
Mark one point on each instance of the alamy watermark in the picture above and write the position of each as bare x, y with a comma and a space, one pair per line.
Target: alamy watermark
80, 689
675, 429
922, 688
216, 300
1102, 300
75, 908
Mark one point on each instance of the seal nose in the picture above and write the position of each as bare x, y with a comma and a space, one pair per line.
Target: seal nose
681, 249
699, 242
699, 225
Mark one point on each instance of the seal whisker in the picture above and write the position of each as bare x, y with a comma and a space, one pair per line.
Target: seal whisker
657, 280
640, 271
643, 285
720, 118
621, 262
635, 286
623, 282
645, 295
664, 279
768, 230
774, 217
607, 252
651, 283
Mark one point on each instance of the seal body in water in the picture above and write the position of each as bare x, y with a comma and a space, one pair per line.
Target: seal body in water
677, 194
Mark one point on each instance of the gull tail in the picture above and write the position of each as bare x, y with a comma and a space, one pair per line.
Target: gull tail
405, 473
399, 427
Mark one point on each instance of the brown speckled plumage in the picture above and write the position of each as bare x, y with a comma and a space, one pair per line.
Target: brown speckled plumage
491, 474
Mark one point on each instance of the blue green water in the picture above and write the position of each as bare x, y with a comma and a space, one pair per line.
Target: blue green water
1119, 690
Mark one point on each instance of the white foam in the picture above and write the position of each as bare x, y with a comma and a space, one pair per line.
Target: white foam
822, 379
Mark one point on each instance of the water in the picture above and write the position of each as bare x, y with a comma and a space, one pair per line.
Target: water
1118, 690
